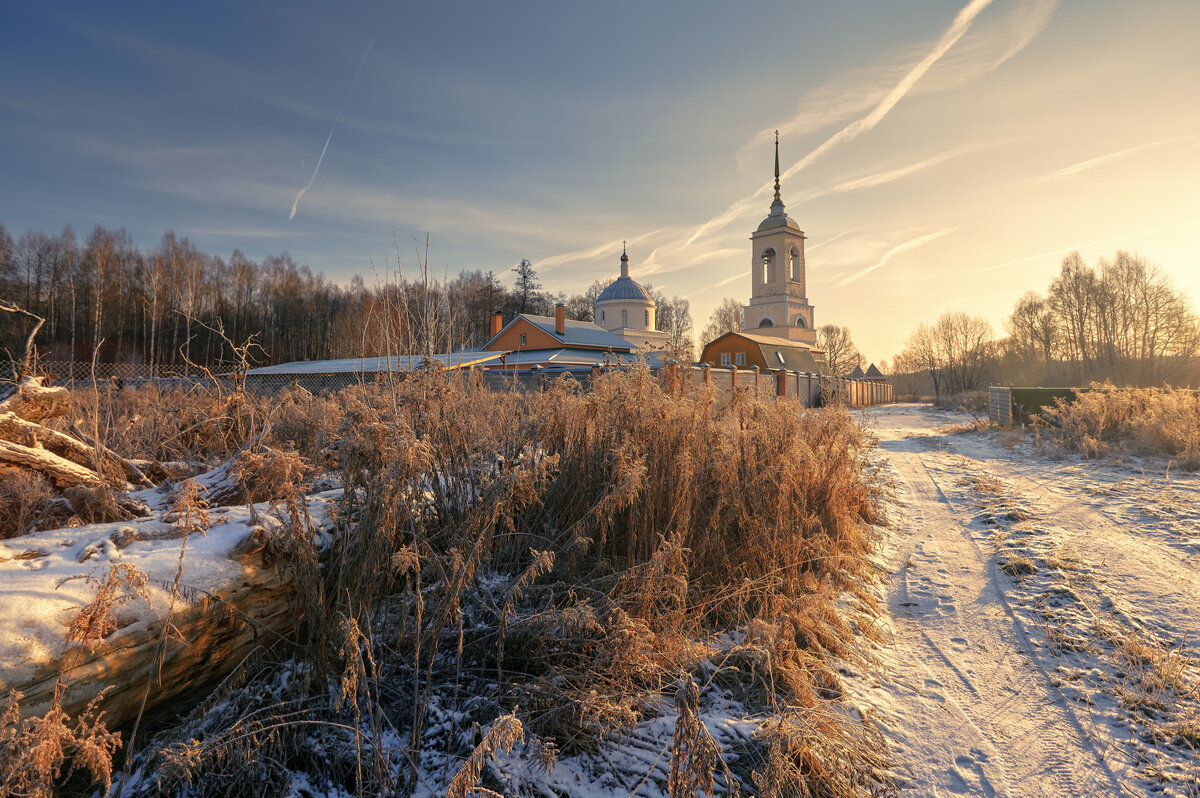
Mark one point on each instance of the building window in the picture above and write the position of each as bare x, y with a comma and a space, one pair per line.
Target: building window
602, 317
647, 321
794, 262
766, 323
624, 318
522, 339
800, 321
724, 358
779, 355
741, 358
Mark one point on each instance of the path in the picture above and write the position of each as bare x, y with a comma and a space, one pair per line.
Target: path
971, 692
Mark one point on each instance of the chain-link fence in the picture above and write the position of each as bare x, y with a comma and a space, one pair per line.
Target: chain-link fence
809, 389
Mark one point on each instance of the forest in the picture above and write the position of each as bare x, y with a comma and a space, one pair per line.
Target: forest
172, 304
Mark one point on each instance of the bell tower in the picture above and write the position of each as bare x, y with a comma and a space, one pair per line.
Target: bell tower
778, 294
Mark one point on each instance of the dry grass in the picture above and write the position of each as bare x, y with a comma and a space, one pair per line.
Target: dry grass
1141, 421
551, 566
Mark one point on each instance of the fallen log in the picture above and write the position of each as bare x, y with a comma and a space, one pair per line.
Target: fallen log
63, 472
33, 400
17, 430
230, 603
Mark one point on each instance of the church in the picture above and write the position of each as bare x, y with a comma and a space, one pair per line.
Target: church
626, 309
778, 326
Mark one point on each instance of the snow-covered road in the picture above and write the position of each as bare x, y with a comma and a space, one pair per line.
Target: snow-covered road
1043, 613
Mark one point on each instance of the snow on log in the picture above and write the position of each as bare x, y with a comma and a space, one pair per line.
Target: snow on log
231, 604
34, 401
60, 470
17, 430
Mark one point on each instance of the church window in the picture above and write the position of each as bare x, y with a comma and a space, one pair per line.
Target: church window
794, 264
768, 258
624, 318
646, 323
800, 322
766, 323
724, 358
741, 358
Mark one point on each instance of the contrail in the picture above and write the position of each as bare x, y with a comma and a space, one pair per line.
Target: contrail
960, 25
896, 250
1083, 166
329, 138
313, 179
362, 63
1091, 244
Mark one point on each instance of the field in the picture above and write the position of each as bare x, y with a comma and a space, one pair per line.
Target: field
529, 593
431, 588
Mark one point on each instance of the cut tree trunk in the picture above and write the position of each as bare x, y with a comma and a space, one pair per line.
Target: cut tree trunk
210, 635
32, 400
60, 470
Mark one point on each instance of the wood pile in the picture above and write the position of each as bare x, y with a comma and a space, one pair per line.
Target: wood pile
66, 460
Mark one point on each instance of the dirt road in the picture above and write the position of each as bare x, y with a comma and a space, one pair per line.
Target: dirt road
1044, 613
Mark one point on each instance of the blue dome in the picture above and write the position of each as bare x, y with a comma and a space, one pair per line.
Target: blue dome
624, 288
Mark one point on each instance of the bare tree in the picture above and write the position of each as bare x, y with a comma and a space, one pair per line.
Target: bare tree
728, 317
841, 355
955, 352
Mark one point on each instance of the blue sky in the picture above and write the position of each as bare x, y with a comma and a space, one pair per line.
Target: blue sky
941, 155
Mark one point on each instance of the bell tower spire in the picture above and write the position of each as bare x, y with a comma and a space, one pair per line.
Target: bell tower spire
778, 201
778, 292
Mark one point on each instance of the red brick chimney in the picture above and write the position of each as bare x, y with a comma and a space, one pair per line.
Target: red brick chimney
560, 318
497, 323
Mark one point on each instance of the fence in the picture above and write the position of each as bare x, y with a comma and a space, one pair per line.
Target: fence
812, 390
1008, 406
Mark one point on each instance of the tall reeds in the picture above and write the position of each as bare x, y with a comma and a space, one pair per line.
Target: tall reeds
558, 563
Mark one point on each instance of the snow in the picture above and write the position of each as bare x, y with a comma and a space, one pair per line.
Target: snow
1021, 580
41, 589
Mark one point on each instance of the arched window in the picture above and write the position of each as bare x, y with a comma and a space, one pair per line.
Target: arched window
794, 264
624, 318
768, 258
800, 322
766, 323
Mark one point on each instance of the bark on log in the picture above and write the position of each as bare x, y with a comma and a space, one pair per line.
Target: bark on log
17, 430
210, 636
62, 471
34, 401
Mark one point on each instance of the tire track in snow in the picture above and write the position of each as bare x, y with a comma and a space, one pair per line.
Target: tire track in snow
1002, 728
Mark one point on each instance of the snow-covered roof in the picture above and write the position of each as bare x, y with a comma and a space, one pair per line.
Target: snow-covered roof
583, 334
373, 365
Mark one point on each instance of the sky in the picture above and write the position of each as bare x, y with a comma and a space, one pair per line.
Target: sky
938, 155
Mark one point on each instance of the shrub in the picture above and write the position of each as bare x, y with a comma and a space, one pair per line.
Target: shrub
1142, 421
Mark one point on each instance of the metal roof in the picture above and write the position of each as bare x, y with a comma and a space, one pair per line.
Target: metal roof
778, 220
625, 289
373, 365
577, 333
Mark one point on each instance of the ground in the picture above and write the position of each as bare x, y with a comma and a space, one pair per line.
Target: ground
1042, 614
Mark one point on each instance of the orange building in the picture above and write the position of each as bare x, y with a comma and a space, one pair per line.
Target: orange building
747, 350
546, 341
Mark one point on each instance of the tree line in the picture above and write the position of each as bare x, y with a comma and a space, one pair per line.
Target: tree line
171, 305
1122, 321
